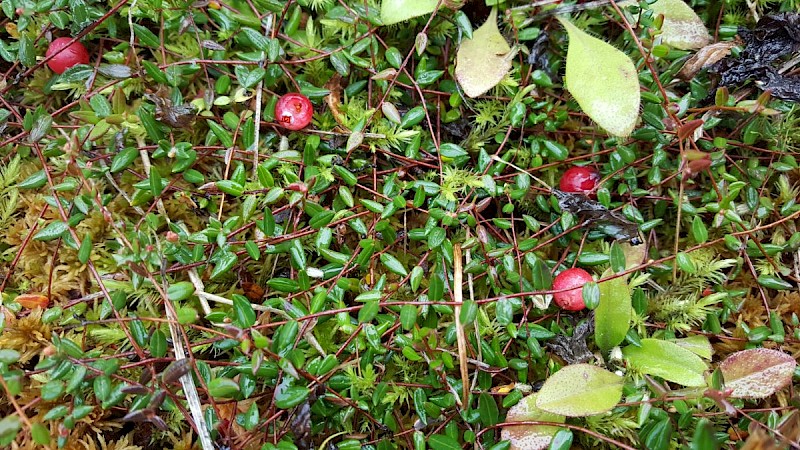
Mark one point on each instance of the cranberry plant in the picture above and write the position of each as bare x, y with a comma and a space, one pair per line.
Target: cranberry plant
398, 224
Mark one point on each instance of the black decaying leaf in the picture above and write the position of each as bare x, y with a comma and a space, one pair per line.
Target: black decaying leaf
176, 116
573, 349
301, 427
773, 38
596, 215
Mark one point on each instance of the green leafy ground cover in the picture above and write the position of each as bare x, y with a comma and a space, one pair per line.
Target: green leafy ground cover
179, 271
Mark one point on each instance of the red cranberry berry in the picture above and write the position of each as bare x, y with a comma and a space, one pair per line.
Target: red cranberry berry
579, 179
572, 279
294, 111
66, 55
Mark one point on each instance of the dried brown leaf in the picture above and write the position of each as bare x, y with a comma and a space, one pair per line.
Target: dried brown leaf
705, 57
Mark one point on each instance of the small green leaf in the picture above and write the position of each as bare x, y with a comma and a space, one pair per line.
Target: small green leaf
146, 37
420, 398
158, 344
290, 396
40, 434
52, 231
9, 427
321, 219
416, 277
85, 250
123, 159
591, 294
469, 311
463, 23
35, 181
685, 263
221, 133
230, 187
443, 442
180, 291
487, 408
699, 230
9, 356
245, 315
617, 258
224, 264
562, 440
603, 80
408, 316
393, 264
774, 282
223, 388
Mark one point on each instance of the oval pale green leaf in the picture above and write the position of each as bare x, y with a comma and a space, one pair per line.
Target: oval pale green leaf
243, 312
603, 80
682, 28
580, 390
290, 396
180, 291
443, 442
530, 437
613, 314
393, 264
481, 62
52, 231
223, 387
697, 344
667, 360
396, 11
757, 373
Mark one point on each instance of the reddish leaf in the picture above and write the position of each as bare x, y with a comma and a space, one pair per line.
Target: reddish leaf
757, 373
32, 301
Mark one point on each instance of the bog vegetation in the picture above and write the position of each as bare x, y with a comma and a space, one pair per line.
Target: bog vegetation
186, 263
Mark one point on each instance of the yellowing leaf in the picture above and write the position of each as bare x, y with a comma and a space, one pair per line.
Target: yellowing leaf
666, 360
580, 390
396, 11
757, 373
481, 62
530, 437
603, 80
682, 28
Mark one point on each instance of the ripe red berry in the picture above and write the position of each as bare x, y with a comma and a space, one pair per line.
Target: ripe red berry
579, 179
572, 279
66, 55
294, 111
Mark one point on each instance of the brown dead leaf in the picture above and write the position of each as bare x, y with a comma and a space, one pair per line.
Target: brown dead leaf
705, 57
176, 116
334, 99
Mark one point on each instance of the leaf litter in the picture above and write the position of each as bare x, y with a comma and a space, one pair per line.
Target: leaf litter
774, 37
594, 214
